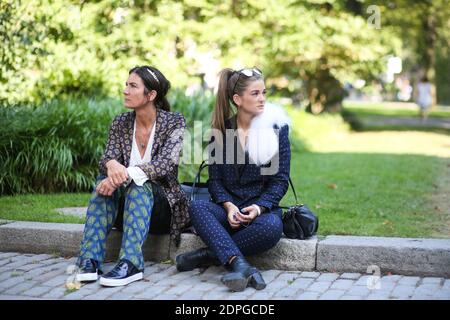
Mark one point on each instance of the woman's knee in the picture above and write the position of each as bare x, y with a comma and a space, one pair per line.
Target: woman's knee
97, 203
197, 208
133, 188
139, 194
274, 226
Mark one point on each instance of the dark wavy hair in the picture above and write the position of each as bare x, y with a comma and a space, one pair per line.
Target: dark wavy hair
154, 80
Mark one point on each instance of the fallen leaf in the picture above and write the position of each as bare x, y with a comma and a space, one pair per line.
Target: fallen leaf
167, 261
317, 206
73, 285
332, 186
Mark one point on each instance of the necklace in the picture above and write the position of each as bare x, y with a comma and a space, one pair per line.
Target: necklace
142, 144
143, 134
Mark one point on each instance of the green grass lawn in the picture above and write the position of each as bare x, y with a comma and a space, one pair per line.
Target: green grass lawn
41, 207
369, 194
358, 183
371, 183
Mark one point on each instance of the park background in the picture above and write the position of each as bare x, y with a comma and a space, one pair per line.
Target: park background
345, 70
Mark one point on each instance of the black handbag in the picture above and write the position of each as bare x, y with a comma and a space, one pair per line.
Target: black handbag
299, 222
161, 212
197, 190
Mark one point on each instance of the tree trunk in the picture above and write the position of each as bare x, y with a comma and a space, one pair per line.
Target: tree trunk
325, 93
430, 36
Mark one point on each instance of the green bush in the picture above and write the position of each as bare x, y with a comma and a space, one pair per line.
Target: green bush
53, 147
56, 146
195, 108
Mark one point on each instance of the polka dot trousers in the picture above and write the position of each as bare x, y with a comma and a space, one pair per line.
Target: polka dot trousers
211, 224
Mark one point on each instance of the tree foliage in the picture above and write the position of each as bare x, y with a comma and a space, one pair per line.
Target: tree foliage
307, 47
424, 28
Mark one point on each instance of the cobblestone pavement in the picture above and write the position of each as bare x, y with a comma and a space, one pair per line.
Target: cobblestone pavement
43, 276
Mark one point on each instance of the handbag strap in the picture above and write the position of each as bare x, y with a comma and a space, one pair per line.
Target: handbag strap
293, 190
197, 177
295, 194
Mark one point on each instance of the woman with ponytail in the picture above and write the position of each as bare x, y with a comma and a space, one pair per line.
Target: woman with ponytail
138, 180
248, 176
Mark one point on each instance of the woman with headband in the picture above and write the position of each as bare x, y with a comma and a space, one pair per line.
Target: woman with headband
248, 177
141, 158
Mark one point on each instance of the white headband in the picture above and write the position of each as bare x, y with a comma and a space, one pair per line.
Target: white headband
153, 74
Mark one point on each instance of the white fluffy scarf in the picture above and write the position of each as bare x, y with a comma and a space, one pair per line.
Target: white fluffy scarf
263, 142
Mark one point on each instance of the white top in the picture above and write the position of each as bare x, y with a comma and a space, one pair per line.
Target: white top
424, 94
134, 172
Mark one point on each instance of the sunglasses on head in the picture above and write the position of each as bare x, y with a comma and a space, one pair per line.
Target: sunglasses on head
248, 72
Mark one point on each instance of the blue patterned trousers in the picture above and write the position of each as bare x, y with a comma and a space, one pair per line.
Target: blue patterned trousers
101, 214
211, 224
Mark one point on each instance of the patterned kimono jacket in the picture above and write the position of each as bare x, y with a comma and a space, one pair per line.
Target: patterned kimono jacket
163, 168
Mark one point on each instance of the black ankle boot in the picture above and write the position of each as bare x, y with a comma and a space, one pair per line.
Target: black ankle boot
200, 258
243, 274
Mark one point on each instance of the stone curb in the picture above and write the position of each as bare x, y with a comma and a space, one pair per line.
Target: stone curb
407, 256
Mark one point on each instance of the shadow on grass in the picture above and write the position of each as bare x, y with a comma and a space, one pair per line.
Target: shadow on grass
361, 122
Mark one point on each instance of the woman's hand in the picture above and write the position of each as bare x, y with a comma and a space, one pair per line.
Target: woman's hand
105, 188
232, 215
117, 173
250, 213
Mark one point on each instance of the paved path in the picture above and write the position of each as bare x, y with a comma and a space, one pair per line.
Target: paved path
406, 121
31, 276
